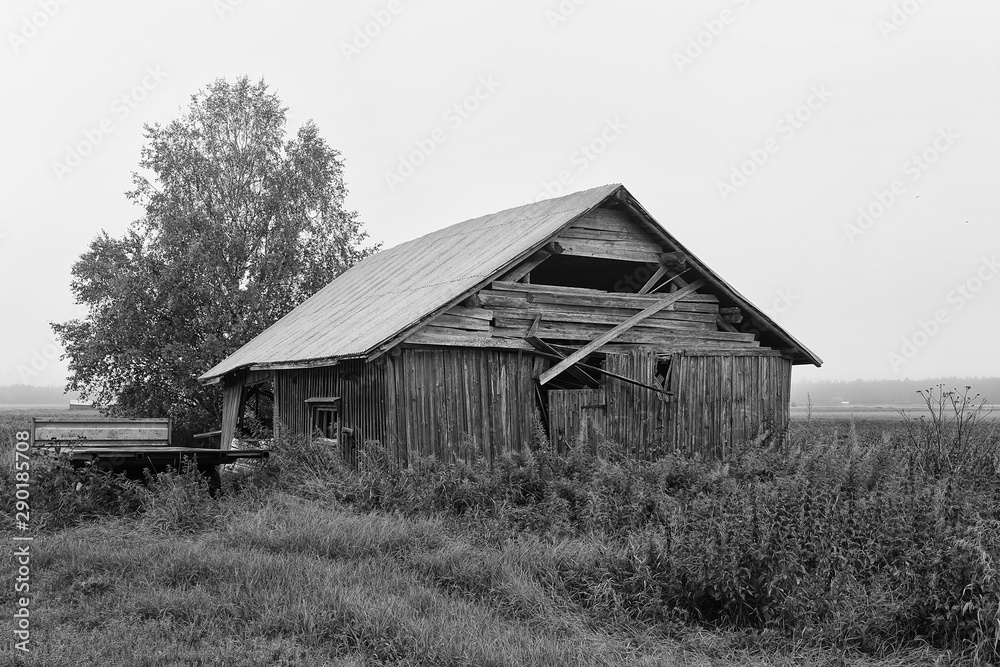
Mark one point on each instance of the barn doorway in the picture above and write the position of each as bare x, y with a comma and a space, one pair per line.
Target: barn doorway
573, 412
256, 421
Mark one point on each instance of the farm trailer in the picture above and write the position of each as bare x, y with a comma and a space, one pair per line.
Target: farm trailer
131, 446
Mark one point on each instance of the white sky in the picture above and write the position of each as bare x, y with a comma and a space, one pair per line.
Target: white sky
677, 128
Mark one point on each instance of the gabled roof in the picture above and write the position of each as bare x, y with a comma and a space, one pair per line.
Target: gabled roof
390, 292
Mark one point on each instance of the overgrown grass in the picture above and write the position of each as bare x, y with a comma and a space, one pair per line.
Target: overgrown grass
839, 543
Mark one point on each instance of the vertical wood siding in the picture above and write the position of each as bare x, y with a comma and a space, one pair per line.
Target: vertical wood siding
363, 401
441, 402
466, 402
637, 417
463, 402
624, 413
569, 409
720, 401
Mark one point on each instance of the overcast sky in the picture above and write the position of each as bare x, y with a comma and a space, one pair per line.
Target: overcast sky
837, 162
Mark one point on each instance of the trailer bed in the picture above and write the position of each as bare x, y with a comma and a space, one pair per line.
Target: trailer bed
158, 454
127, 445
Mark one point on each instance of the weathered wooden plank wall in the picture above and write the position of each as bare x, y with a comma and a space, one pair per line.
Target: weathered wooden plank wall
460, 402
577, 314
609, 234
569, 409
637, 417
719, 401
463, 402
362, 390
722, 400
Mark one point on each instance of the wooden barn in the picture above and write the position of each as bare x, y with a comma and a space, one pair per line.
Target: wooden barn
581, 309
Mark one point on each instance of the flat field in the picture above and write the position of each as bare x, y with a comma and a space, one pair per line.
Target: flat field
874, 412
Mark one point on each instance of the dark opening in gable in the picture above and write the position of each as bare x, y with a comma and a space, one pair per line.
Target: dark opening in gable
610, 275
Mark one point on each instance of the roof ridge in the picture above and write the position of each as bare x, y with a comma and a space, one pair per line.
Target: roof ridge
539, 203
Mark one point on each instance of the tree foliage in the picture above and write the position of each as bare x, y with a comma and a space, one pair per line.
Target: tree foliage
241, 223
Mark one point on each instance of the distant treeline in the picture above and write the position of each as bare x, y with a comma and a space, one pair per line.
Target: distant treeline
887, 391
28, 394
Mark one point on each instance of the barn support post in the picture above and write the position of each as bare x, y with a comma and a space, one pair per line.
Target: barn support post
232, 403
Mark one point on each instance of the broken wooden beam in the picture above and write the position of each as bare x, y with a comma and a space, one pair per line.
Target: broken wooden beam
674, 282
542, 346
618, 250
724, 325
731, 315
525, 267
675, 262
653, 279
621, 328
557, 355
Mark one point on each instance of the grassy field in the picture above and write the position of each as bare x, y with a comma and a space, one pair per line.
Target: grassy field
866, 543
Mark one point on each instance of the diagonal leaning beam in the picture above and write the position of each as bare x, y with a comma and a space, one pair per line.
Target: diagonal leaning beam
541, 346
618, 330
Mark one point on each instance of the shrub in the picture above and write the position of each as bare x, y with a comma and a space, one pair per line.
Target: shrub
64, 495
956, 436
